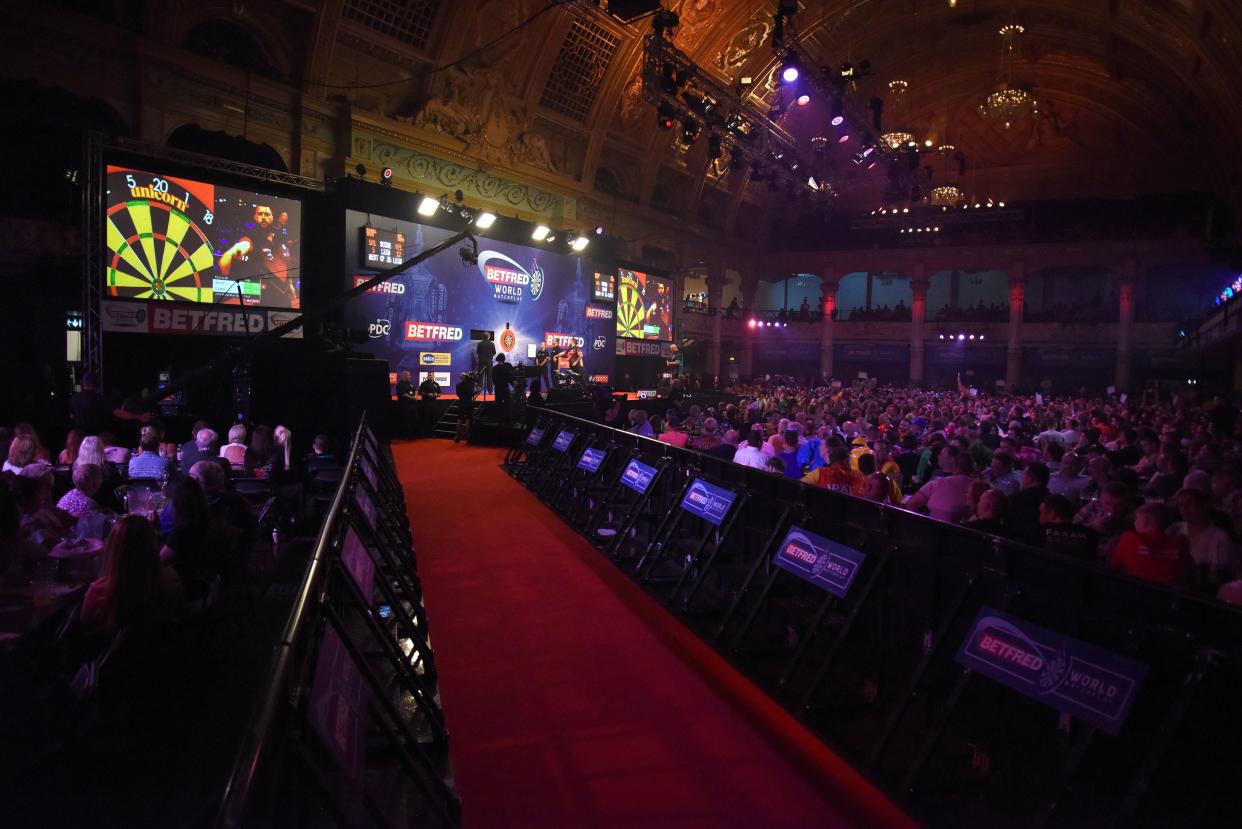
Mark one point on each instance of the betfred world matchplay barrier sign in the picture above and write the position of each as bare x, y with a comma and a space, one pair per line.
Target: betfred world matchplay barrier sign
1090, 683
822, 562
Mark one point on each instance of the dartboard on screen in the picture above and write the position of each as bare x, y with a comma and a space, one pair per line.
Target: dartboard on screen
631, 312
157, 253
644, 306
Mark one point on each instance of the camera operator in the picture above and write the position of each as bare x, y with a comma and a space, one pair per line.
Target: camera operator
466, 391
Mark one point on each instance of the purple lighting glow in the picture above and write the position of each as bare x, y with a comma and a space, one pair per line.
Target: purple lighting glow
838, 120
789, 74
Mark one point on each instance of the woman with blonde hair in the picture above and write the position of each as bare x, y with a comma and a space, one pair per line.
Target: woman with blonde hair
21, 453
235, 451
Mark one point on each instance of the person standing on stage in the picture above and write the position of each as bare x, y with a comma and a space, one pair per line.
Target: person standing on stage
405, 404
502, 375
486, 352
466, 391
543, 365
575, 364
428, 392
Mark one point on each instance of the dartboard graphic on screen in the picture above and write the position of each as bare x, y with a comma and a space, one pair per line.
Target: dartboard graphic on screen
644, 306
177, 239
157, 253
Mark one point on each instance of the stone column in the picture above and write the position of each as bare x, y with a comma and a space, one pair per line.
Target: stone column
829, 284
715, 297
1125, 324
1017, 308
918, 311
750, 287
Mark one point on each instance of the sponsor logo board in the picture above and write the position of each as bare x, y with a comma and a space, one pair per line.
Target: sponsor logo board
591, 459
431, 331
441, 377
385, 287
563, 439
594, 312
708, 501
535, 436
819, 560
554, 339
379, 328
638, 476
1074, 677
435, 358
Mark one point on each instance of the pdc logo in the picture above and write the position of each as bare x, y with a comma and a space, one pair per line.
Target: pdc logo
379, 328
599, 343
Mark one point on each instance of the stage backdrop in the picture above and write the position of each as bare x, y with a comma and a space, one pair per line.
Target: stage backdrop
428, 319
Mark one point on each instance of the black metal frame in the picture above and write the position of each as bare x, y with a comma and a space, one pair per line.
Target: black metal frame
282, 757
874, 674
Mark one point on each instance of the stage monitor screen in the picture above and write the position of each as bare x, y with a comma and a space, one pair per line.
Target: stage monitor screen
534, 306
176, 239
382, 248
604, 287
644, 306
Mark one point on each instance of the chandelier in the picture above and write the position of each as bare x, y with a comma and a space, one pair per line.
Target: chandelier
897, 137
1007, 103
946, 195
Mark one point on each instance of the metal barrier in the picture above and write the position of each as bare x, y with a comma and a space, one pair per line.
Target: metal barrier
972, 678
349, 730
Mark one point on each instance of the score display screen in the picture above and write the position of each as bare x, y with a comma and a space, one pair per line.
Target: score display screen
382, 247
176, 239
644, 306
604, 287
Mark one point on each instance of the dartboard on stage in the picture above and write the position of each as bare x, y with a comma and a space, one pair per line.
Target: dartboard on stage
631, 312
157, 253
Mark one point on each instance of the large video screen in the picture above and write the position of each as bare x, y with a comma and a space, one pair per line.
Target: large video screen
644, 306
429, 318
177, 239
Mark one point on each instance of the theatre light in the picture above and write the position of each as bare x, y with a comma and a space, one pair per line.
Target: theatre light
803, 99
427, 207
579, 244
540, 233
485, 220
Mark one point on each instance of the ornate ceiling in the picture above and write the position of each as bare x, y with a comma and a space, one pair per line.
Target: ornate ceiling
1135, 96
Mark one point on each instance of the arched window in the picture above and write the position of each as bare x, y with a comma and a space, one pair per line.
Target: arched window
230, 43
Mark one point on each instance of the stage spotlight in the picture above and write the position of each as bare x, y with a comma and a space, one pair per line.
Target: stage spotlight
812, 183
789, 72
970, 337
845, 136
689, 131
386, 177
751, 323
540, 233
664, 116
803, 99
485, 220
961, 336
838, 113
942, 336
579, 244
428, 206
981, 336
599, 230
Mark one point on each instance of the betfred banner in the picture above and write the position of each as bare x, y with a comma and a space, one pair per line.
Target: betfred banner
591, 459
818, 560
638, 476
563, 439
168, 318
708, 501
535, 436
1090, 683
642, 348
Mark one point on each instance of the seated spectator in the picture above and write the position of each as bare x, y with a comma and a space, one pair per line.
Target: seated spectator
223, 503
21, 454
639, 424
1061, 534
1068, 480
789, 455
1108, 515
134, 587
118, 455
321, 456
191, 445
235, 450
40, 522
260, 453
944, 498
69, 454
990, 518
204, 449
776, 466
1024, 507
40, 451
707, 437
186, 547
750, 454
672, 434
974, 492
1210, 547
1148, 552
727, 447
837, 475
282, 438
1001, 474
87, 481
149, 463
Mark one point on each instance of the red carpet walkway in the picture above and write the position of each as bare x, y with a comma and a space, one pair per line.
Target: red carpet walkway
572, 699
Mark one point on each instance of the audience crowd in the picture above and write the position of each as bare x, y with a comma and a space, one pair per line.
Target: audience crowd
1152, 488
